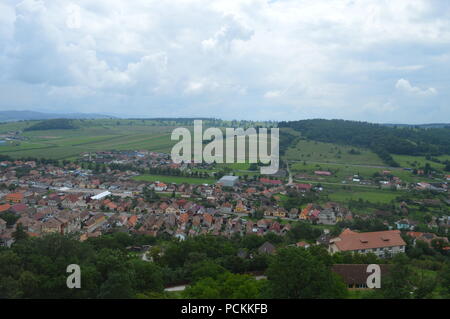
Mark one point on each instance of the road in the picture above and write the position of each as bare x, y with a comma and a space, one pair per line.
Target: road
183, 287
290, 180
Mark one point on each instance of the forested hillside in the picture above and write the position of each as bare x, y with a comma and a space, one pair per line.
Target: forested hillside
383, 140
55, 124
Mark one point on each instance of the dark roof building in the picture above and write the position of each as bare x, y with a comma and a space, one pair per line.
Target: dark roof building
355, 275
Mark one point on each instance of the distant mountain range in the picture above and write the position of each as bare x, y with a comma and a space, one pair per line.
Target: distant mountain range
431, 125
11, 116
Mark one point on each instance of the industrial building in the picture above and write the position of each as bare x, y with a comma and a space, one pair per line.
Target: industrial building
228, 181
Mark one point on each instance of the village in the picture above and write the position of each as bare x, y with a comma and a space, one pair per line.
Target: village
99, 194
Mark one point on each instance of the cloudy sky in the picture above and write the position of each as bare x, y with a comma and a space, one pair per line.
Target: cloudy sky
380, 61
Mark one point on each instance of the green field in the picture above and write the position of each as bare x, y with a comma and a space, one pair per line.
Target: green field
174, 179
419, 161
312, 151
375, 196
93, 135
343, 172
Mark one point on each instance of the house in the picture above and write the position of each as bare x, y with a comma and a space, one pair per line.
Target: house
380, 243
208, 219
322, 173
324, 240
132, 221
52, 225
279, 212
110, 205
71, 221
30, 225
160, 187
263, 223
226, 208
14, 197
314, 215
355, 275
327, 217
425, 237
267, 248
304, 187
72, 201
6, 238
268, 211
240, 207
94, 222
304, 215
19, 208
2, 225
293, 213
405, 224
4, 207
302, 244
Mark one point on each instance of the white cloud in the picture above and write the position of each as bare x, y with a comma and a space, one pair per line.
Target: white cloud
405, 86
194, 87
272, 94
231, 31
310, 58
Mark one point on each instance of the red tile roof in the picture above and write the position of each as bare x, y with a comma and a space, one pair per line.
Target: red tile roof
14, 197
355, 241
4, 207
19, 208
322, 173
132, 220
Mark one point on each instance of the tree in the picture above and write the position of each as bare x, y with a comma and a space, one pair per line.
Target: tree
444, 276
226, 286
438, 244
19, 234
10, 218
297, 273
303, 231
425, 286
204, 269
119, 285
397, 284
148, 276
447, 167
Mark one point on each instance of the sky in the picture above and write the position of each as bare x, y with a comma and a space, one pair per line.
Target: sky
373, 60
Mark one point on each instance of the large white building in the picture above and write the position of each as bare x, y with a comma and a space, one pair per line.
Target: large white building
101, 195
381, 243
228, 181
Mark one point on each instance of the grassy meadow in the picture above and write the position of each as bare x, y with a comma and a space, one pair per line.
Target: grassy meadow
92, 135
